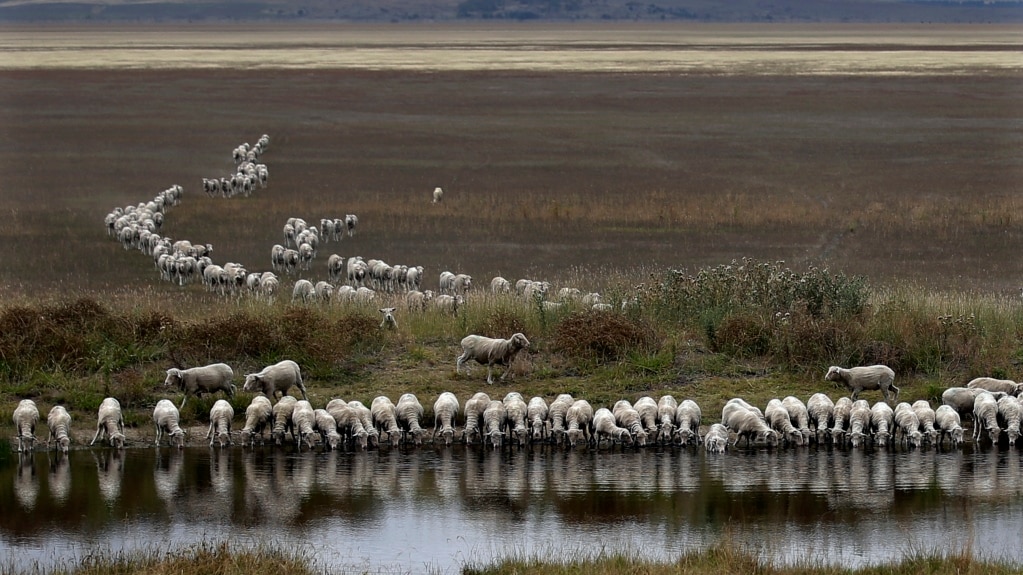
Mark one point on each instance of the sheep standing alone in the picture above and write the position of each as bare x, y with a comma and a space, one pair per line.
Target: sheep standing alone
258, 415
716, 439
536, 415
110, 422
907, 424
666, 408
500, 285
688, 417
388, 321
820, 410
199, 380
949, 423
474, 408
865, 378
26, 416
221, 416
438, 194
1009, 414
491, 351
282, 424
556, 414
445, 410
280, 376
165, 418
882, 423
604, 426
59, 422
409, 411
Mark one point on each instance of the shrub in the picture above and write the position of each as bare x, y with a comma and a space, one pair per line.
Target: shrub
600, 336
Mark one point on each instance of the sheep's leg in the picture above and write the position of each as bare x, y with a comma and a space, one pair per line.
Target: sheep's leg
158, 433
490, 377
99, 429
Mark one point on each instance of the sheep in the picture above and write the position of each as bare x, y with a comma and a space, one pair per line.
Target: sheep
948, 422
280, 376
409, 411
258, 415
515, 417
962, 399
494, 418
556, 412
647, 409
859, 422
385, 420
416, 300
474, 408
716, 439
991, 384
604, 426
59, 422
268, 287
447, 303
165, 418
578, 422
110, 422
199, 380
323, 291
26, 416
445, 410
882, 423
925, 415
743, 403
666, 408
221, 415
388, 321
865, 378
348, 423
908, 424
303, 420
1009, 413
840, 419
687, 418
536, 415
798, 415
438, 193
627, 417
351, 221
746, 423
303, 291
365, 416
491, 351
500, 285
325, 424
778, 418
985, 415
282, 423
569, 294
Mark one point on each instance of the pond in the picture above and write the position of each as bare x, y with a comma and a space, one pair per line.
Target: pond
438, 508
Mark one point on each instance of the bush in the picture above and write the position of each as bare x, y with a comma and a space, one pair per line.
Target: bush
600, 336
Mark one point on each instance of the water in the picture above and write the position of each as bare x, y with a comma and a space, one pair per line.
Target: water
438, 508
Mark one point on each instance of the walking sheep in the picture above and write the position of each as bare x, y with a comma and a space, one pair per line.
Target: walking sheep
865, 378
165, 418
59, 422
948, 422
445, 410
199, 380
1006, 386
258, 416
491, 352
221, 416
280, 377
26, 416
110, 422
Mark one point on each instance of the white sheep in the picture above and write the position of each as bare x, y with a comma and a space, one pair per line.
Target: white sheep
303, 291
604, 426
907, 424
798, 415
282, 423
258, 416
388, 321
948, 423
865, 378
499, 285
59, 422
493, 423
840, 418
667, 405
746, 423
925, 415
491, 351
688, 417
438, 193
1009, 413
199, 380
221, 416
474, 408
416, 300
365, 416
409, 411
882, 423
279, 377
325, 424
556, 413
779, 420
1006, 386
716, 439
647, 409
515, 417
323, 291
536, 415
578, 422
626, 416
26, 416
166, 418
303, 420
859, 422
962, 399
349, 423
445, 410
985, 416
447, 303
385, 420
110, 422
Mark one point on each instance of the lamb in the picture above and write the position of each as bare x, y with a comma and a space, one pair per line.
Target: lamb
388, 321
666, 408
840, 417
277, 377
59, 422
282, 423
165, 417
303, 419
365, 416
408, 412
474, 408
258, 415
925, 415
26, 416
948, 422
1006, 386
515, 417
536, 415
578, 422
687, 417
199, 380
492, 352
908, 424
798, 415
604, 426
556, 413
778, 418
882, 423
716, 439
962, 399
221, 415
445, 410
493, 422
647, 409
985, 416
859, 422
865, 378
110, 422
385, 419
325, 424
1009, 413
746, 423
438, 193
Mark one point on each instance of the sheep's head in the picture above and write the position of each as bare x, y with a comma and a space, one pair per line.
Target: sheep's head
177, 439
770, 436
117, 440
994, 433
834, 374
856, 438
246, 437
957, 435
333, 441
519, 341
665, 432
882, 438
574, 435
173, 377
496, 438
1013, 434
625, 437
253, 382
448, 433
64, 444
640, 438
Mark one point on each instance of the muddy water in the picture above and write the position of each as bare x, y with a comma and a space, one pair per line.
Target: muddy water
438, 508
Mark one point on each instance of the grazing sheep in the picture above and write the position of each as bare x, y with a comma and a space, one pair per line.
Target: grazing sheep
556, 413
165, 417
716, 439
26, 416
1006, 386
962, 399
59, 422
409, 411
907, 424
666, 408
385, 419
303, 420
388, 322
859, 422
325, 424
221, 416
365, 416
445, 410
821, 411
282, 423
578, 422
647, 409
948, 422
493, 423
280, 377
474, 408
110, 422
1009, 417
626, 416
303, 291
746, 423
840, 417
604, 426
798, 415
447, 303
500, 285
258, 416
417, 300
985, 416
349, 423
491, 351
437, 195
199, 380
882, 423
515, 417
925, 415
865, 378
779, 420
688, 417
536, 415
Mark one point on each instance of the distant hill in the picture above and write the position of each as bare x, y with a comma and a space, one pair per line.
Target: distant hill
878, 11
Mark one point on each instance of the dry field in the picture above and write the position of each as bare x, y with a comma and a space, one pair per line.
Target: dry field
564, 154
